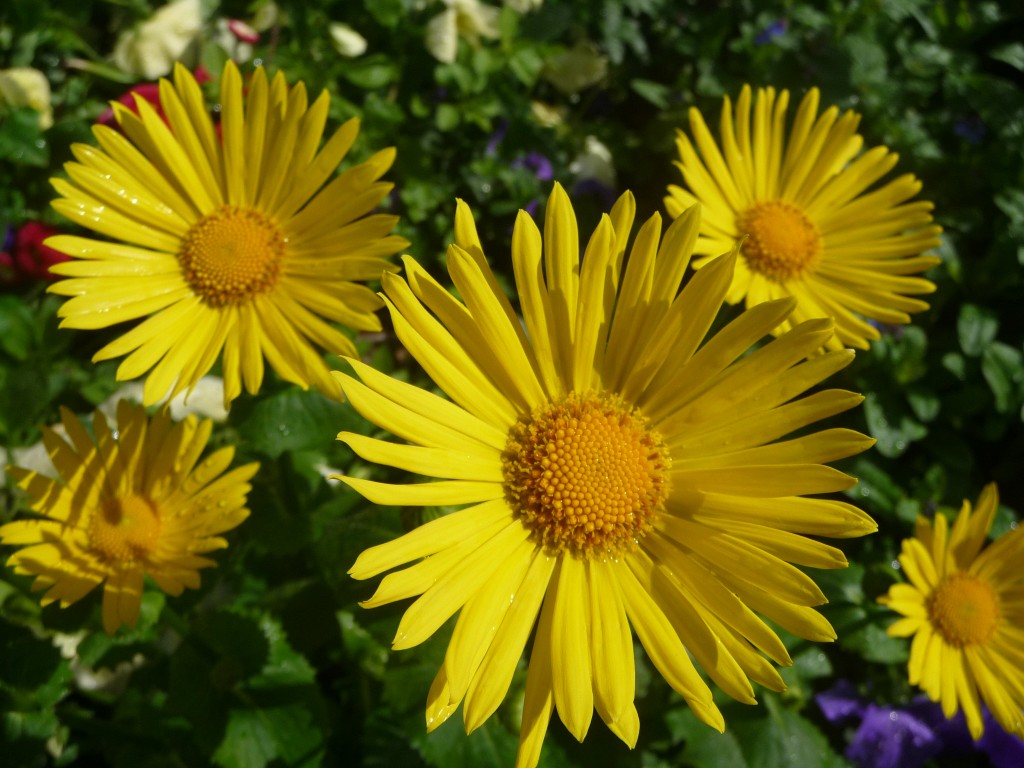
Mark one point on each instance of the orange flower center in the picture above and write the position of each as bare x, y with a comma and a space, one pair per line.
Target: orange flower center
586, 475
125, 529
964, 610
782, 243
231, 255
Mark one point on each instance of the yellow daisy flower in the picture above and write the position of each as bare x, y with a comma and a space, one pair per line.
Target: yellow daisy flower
230, 242
964, 607
126, 504
621, 476
800, 207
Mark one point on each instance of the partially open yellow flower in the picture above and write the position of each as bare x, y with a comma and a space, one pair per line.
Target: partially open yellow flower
964, 607
126, 504
623, 474
804, 208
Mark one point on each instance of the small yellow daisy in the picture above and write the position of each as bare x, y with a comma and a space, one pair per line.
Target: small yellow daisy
127, 504
800, 208
238, 243
623, 474
964, 607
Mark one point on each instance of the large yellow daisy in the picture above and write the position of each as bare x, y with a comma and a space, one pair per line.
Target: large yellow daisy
621, 475
964, 607
229, 242
127, 504
810, 222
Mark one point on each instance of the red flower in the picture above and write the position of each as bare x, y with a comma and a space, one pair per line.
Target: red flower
30, 259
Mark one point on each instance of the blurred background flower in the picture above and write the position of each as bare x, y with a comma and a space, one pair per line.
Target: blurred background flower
151, 48
26, 87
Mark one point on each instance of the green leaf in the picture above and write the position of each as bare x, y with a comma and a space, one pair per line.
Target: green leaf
1012, 54
21, 139
923, 402
656, 93
956, 364
491, 745
808, 665
388, 13
371, 73
248, 743
784, 739
25, 662
285, 666
704, 747
862, 631
526, 64
875, 489
842, 585
976, 327
447, 117
292, 420
894, 431
17, 327
1001, 366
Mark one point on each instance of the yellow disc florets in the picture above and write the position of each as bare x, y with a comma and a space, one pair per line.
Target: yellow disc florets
586, 475
782, 243
963, 609
125, 530
232, 255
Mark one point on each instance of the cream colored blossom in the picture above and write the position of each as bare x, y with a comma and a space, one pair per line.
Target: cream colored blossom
346, 40
524, 6
594, 162
26, 87
469, 19
150, 49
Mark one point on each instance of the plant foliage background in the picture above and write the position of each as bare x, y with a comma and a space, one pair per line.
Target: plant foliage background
272, 662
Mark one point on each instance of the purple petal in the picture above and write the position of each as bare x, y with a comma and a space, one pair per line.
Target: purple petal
1005, 750
840, 702
892, 738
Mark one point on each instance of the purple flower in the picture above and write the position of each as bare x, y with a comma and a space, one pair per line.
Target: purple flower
496, 138
537, 163
892, 738
1005, 750
906, 737
776, 29
841, 702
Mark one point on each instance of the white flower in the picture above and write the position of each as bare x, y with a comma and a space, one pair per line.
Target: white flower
150, 49
346, 40
466, 18
524, 6
206, 400
26, 87
594, 162
237, 46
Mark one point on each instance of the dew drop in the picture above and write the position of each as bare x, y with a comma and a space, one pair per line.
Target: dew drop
895, 565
